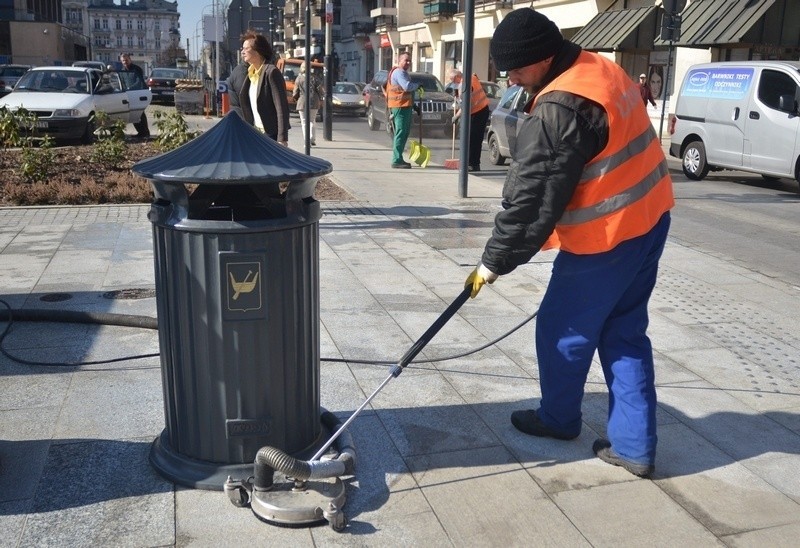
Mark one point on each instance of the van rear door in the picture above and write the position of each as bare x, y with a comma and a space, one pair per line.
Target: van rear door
772, 134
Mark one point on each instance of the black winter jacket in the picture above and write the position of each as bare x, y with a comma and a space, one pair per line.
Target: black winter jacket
563, 132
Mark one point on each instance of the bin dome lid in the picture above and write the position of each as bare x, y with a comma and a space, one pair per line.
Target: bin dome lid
232, 152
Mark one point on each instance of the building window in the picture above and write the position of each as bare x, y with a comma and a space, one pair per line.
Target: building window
130, 41
129, 24
157, 26
97, 24
141, 42
119, 41
118, 24
140, 24
158, 44
105, 24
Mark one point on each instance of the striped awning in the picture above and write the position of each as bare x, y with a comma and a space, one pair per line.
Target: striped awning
609, 29
714, 22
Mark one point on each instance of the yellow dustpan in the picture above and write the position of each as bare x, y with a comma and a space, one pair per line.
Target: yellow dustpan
420, 154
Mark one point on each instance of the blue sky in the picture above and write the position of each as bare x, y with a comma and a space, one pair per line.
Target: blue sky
191, 13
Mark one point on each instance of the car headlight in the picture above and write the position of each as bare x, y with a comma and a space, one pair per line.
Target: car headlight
336, 101
361, 102
66, 113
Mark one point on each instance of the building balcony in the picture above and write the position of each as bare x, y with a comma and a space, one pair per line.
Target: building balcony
362, 29
491, 5
383, 12
433, 12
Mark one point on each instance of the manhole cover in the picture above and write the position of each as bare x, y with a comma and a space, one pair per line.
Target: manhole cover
130, 294
55, 297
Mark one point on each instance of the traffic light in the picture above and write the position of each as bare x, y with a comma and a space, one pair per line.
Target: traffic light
671, 27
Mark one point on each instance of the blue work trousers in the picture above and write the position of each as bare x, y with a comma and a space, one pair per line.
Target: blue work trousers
599, 302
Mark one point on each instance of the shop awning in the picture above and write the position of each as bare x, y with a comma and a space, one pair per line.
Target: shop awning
607, 30
712, 22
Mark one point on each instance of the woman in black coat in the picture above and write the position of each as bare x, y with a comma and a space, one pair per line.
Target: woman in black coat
262, 96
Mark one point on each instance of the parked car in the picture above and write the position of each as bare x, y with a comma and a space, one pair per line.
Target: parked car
504, 124
435, 107
9, 74
162, 83
493, 92
347, 99
66, 99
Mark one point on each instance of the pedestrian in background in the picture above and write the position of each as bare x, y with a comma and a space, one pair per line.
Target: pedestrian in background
400, 102
142, 127
262, 97
479, 115
313, 100
644, 90
236, 82
589, 178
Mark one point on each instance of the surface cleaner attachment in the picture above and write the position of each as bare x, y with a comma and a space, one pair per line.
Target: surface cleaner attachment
311, 492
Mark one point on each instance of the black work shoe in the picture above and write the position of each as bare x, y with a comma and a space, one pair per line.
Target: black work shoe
402, 165
602, 448
526, 420
474, 168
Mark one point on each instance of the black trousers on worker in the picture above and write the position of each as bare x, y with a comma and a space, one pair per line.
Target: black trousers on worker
477, 129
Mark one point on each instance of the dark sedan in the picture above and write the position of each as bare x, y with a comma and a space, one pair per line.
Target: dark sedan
162, 83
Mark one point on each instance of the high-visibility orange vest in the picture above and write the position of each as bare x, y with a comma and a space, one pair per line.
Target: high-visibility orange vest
626, 188
396, 96
478, 100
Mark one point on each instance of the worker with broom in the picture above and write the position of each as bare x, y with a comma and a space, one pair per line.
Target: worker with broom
479, 115
400, 101
589, 178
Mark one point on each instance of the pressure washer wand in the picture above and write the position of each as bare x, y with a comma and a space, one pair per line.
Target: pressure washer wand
404, 361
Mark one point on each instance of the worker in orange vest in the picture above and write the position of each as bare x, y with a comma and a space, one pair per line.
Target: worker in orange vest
479, 115
589, 178
400, 102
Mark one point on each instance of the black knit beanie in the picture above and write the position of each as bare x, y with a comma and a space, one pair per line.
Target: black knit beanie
522, 38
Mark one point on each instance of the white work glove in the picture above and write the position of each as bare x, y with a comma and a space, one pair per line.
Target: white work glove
478, 277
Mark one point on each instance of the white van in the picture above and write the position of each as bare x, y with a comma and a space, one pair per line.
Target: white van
739, 115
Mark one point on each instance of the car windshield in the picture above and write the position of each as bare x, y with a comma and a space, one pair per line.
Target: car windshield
346, 88
54, 81
427, 82
167, 73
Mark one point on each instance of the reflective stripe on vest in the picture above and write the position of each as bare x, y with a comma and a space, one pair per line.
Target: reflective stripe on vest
396, 96
626, 188
478, 100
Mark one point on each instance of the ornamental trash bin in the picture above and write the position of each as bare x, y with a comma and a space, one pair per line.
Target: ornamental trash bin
236, 252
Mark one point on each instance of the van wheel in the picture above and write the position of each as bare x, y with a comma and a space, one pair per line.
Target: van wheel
374, 125
695, 165
494, 151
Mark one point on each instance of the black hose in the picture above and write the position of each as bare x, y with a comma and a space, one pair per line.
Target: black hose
269, 459
147, 322
77, 316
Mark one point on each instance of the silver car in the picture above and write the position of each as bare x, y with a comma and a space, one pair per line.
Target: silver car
504, 124
9, 74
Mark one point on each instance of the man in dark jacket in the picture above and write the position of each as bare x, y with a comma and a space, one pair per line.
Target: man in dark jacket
589, 177
235, 84
645, 91
142, 128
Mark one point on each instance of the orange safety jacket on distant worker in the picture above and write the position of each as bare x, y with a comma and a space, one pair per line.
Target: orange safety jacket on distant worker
396, 96
478, 100
626, 188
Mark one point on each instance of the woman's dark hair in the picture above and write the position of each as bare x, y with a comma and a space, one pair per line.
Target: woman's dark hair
260, 44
